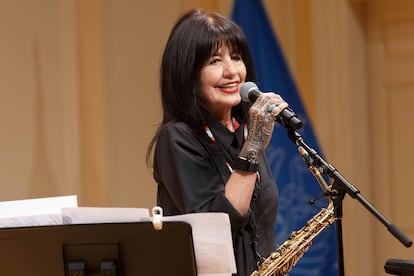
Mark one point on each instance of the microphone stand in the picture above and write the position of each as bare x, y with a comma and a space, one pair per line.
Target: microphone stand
339, 188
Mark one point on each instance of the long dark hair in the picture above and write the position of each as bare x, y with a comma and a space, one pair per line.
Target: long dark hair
192, 41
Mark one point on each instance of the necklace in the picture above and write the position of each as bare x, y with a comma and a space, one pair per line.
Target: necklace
214, 140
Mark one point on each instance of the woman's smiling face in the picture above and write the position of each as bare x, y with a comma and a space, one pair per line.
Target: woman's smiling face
220, 79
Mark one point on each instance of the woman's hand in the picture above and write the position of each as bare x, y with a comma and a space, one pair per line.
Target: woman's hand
262, 116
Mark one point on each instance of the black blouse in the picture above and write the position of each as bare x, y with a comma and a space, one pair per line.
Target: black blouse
191, 173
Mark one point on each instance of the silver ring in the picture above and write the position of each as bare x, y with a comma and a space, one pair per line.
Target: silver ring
271, 107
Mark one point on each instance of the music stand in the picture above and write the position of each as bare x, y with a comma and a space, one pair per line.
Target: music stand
109, 249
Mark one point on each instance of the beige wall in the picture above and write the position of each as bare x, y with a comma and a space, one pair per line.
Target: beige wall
80, 101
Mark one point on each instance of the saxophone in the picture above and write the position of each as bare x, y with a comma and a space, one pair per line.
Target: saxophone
288, 254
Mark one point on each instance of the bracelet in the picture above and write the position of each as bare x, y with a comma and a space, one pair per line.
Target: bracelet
243, 164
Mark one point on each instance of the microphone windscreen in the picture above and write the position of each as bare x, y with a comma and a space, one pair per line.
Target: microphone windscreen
245, 89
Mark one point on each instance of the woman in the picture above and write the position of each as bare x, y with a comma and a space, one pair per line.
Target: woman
209, 150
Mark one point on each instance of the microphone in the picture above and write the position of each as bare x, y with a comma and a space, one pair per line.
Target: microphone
249, 92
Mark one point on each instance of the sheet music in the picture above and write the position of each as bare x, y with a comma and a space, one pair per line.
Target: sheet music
82, 215
213, 244
24, 221
34, 212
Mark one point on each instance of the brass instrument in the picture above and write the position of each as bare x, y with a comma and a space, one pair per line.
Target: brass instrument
287, 255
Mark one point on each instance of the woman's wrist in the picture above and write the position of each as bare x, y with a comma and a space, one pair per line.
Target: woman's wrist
245, 165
